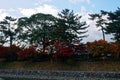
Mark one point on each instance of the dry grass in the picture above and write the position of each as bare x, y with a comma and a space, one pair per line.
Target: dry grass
79, 66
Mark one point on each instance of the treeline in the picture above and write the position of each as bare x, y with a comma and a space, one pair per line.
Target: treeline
39, 28
59, 51
45, 36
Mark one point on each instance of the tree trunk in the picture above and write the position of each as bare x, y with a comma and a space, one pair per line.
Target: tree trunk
43, 43
103, 33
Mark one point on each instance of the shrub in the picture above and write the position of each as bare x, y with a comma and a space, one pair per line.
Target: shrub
102, 48
4, 51
64, 53
14, 50
97, 48
9, 53
41, 56
27, 54
114, 50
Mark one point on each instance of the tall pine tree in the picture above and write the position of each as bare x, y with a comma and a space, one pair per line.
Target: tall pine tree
113, 26
70, 27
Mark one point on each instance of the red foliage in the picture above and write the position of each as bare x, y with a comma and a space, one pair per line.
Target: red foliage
16, 48
64, 52
81, 48
26, 53
14, 52
9, 53
57, 45
4, 51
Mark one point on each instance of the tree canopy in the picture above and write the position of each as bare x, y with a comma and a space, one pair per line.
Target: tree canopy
70, 27
7, 29
100, 22
113, 26
36, 29
40, 28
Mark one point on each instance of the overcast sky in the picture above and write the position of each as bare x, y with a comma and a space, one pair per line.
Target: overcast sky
19, 8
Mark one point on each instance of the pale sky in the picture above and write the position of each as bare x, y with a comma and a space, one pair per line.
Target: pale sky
20, 8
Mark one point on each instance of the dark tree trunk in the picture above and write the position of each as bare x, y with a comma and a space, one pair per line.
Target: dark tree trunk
103, 33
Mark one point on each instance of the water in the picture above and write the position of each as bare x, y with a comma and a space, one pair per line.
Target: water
23, 79
60, 79
57, 75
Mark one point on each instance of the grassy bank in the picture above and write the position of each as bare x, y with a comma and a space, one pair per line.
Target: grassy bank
79, 66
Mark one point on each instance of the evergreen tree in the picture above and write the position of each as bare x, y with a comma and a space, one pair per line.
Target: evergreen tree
7, 29
100, 22
113, 26
36, 29
70, 27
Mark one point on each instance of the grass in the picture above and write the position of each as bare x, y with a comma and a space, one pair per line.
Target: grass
79, 66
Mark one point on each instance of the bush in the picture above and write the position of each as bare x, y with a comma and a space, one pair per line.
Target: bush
15, 51
97, 48
40, 56
27, 54
9, 53
63, 54
4, 51
102, 49
114, 50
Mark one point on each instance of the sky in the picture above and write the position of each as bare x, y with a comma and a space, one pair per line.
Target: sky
25, 8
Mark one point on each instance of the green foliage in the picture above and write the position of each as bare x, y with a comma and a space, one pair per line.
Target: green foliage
7, 30
100, 22
36, 29
69, 26
41, 28
113, 26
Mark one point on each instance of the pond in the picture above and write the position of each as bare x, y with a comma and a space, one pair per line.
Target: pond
57, 75
60, 79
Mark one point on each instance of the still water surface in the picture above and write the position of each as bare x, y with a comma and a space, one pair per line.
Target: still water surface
60, 79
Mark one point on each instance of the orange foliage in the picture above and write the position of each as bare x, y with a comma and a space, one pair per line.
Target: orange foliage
103, 47
114, 49
97, 47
